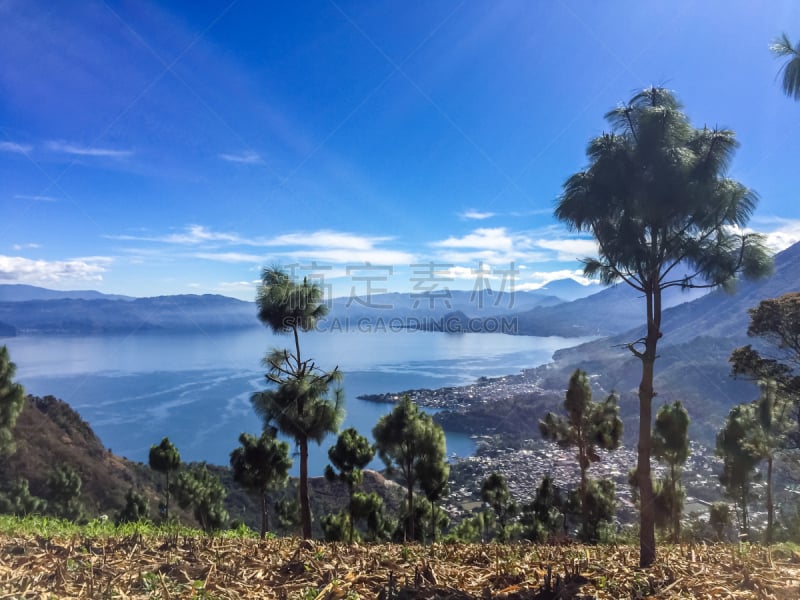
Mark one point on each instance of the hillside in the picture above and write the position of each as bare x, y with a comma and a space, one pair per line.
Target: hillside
693, 354
49, 432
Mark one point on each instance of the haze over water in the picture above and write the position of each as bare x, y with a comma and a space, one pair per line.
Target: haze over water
195, 388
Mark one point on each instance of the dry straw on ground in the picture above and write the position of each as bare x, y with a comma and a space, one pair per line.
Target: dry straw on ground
136, 567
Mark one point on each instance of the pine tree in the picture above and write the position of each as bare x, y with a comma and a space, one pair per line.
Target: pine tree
165, 458
671, 446
656, 198
299, 405
587, 426
495, 492
409, 440
350, 455
12, 397
261, 465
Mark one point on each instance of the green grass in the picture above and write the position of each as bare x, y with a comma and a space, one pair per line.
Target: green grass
49, 527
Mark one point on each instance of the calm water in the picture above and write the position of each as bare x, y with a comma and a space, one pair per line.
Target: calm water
195, 388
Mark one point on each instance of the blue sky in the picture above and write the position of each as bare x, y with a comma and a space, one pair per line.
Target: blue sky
163, 148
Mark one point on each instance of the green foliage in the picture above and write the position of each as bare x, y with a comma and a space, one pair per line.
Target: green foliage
261, 465
671, 447
600, 508
790, 82
776, 321
657, 201
370, 509
719, 518
587, 426
350, 455
495, 492
473, 529
16, 499
64, 485
288, 513
12, 397
739, 460
338, 528
137, 508
423, 519
411, 442
201, 490
545, 516
165, 458
299, 405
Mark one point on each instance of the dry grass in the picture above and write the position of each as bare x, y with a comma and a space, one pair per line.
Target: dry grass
148, 567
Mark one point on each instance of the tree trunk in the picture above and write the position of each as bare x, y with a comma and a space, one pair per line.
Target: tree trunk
410, 519
264, 515
676, 509
166, 502
770, 505
350, 514
647, 522
583, 461
305, 507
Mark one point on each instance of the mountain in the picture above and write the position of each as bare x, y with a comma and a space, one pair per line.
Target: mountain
23, 293
162, 313
568, 289
692, 365
612, 310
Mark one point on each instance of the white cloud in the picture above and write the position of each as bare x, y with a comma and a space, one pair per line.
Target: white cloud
193, 234
539, 279
476, 215
326, 239
17, 269
781, 233
352, 256
496, 238
19, 247
495, 246
228, 257
570, 249
14, 147
76, 150
247, 158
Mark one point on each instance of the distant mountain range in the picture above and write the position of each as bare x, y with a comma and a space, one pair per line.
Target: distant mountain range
23, 293
32, 310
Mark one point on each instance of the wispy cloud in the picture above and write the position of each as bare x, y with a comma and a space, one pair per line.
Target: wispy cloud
476, 215
247, 158
35, 198
19, 247
76, 150
494, 246
570, 249
14, 147
496, 238
17, 269
228, 257
193, 234
327, 239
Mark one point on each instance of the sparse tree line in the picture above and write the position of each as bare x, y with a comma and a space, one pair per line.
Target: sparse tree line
754, 440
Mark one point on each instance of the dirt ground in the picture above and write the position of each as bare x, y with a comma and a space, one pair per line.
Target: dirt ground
289, 568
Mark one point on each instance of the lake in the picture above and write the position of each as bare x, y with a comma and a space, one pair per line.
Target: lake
195, 388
